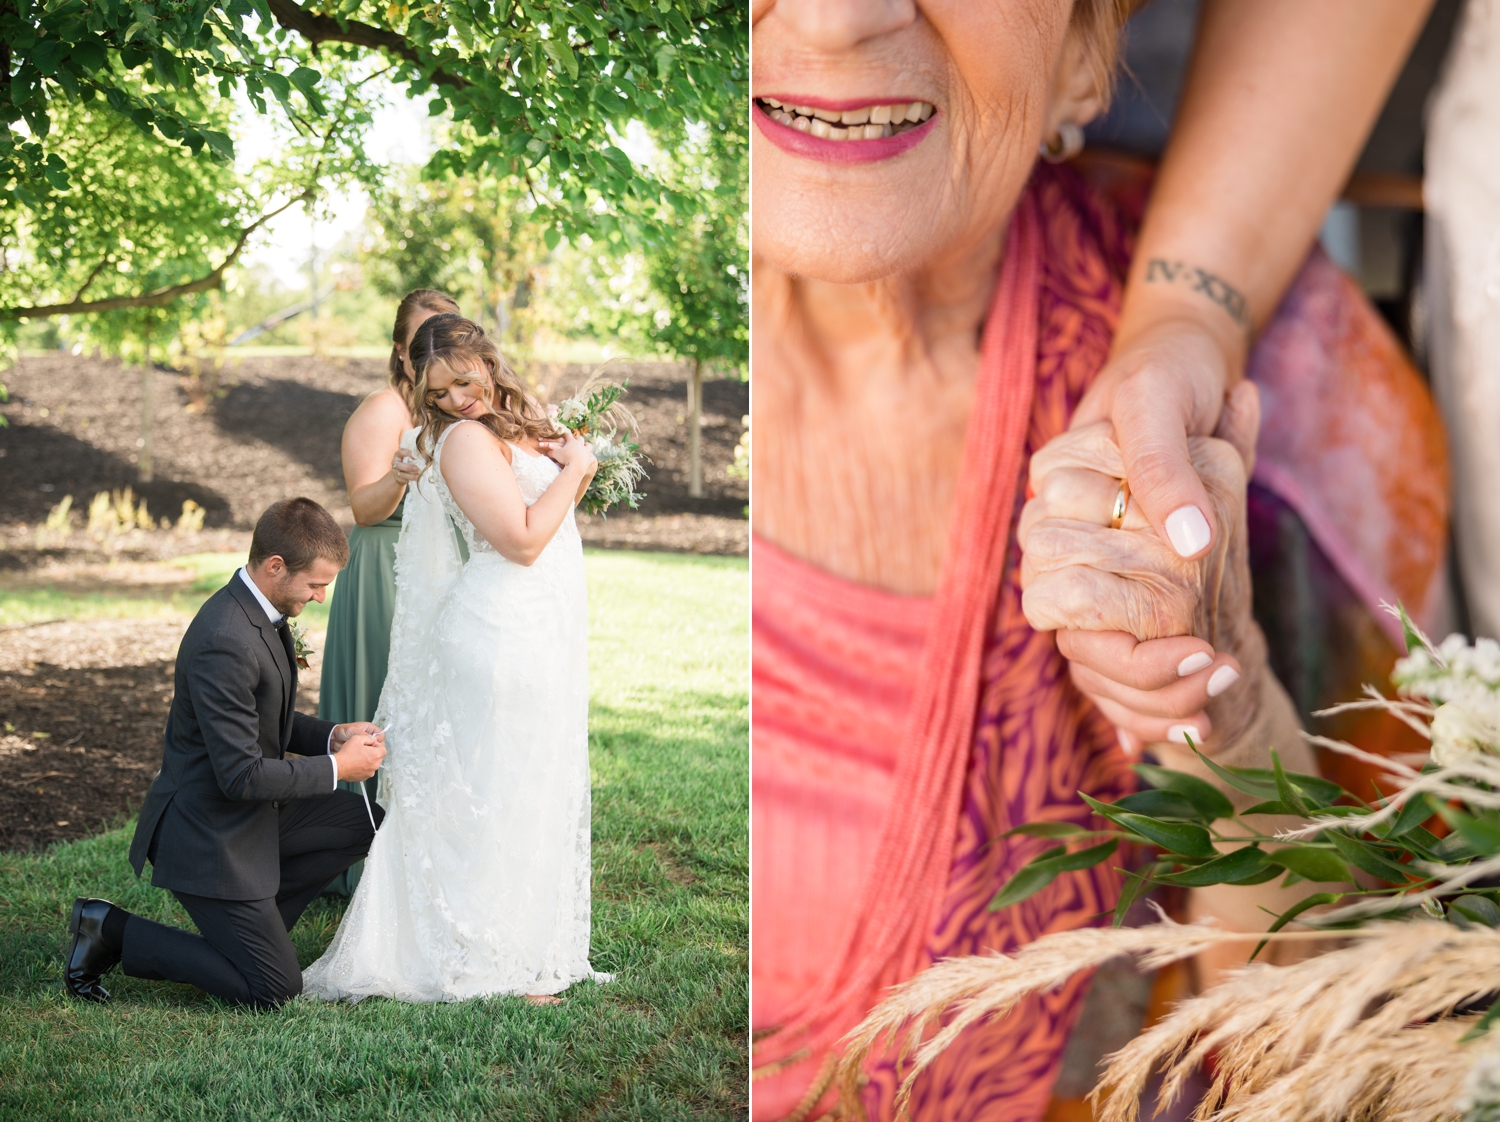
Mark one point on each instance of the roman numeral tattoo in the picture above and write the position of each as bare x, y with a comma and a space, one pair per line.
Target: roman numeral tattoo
1216, 288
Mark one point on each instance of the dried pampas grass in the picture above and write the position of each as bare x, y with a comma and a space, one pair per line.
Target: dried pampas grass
1363, 1033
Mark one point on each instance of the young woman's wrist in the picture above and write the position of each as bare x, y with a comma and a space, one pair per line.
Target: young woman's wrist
1154, 317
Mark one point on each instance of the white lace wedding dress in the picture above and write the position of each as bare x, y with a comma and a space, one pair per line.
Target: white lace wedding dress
478, 880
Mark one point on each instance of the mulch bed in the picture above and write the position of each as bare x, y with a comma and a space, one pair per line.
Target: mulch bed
273, 431
83, 707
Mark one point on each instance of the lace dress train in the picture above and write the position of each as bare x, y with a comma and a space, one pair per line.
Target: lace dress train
478, 880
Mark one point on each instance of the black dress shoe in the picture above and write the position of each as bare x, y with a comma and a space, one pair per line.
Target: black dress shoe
88, 955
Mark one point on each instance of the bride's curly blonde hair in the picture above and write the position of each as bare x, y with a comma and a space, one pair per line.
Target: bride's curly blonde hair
463, 347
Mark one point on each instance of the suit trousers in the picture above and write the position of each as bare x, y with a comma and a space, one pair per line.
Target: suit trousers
244, 953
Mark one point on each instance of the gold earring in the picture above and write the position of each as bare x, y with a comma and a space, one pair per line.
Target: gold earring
1065, 145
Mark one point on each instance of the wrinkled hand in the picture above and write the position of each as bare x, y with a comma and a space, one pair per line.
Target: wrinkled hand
1166, 647
1161, 387
358, 747
406, 466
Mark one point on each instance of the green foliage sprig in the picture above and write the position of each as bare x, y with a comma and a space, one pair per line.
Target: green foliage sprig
593, 417
1449, 693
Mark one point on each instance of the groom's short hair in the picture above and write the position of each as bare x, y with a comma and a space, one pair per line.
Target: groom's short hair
298, 531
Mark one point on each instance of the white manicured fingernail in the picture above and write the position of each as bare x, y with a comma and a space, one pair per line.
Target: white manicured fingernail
1179, 734
1187, 530
1124, 741
1193, 663
1221, 679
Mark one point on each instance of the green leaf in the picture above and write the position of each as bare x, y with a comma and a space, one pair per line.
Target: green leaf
1130, 891
47, 55
1480, 909
1158, 804
562, 54
1312, 863
1261, 782
1228, 869
1481, 831
1041, 871
1284, 790
1047, 830
664, 56
552, 237
1453, 849
305, 78
1209, 800
1364, 856
1274, 807
1175, 837
1260, 788
1409, 630
1294, 911
279, 85
1417, 809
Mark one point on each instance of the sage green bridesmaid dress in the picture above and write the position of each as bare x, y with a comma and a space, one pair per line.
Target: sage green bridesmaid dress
358, 645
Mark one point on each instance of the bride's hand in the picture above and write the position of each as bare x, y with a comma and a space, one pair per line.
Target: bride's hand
575, 449
1160, 644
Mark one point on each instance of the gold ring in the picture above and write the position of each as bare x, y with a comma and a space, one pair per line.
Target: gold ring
1122, 504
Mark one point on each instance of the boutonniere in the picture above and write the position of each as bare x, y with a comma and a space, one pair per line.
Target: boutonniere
300, 644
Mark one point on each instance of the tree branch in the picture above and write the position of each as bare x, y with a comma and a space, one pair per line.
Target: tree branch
92, 277
325, 29
161, 295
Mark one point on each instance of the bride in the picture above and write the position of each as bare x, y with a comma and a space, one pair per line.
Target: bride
478, 880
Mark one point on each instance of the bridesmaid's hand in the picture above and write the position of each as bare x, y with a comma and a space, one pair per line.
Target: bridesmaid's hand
406, 467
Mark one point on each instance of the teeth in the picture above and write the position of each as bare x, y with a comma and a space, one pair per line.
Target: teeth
874, 122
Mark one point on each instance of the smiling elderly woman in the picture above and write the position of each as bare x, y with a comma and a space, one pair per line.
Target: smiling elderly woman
931, 305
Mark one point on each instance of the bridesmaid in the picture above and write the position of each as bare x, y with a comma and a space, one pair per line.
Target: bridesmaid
376, 472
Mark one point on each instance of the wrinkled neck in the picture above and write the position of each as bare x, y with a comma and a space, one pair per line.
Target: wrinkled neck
862, 400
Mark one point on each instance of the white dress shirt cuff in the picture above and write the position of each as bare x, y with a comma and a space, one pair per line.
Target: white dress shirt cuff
333, 760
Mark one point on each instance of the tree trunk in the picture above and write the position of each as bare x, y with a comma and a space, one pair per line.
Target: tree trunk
695, 431
148, 415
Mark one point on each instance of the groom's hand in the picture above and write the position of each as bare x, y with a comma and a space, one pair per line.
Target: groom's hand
358, 748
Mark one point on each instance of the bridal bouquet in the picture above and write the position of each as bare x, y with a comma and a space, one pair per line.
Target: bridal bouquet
1392, 1024
592, 415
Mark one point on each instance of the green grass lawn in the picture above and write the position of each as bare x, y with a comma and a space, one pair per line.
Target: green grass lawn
669, 662
207, 573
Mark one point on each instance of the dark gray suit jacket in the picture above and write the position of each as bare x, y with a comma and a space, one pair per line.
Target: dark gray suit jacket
224, 775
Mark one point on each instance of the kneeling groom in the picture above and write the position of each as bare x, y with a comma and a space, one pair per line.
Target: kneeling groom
244, 836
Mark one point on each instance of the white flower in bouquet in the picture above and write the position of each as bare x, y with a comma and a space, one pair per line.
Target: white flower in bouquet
1462, 727
592, 414
1464, 682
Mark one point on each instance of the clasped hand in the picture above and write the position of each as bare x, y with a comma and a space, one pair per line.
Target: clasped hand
358, 748
1166, 647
